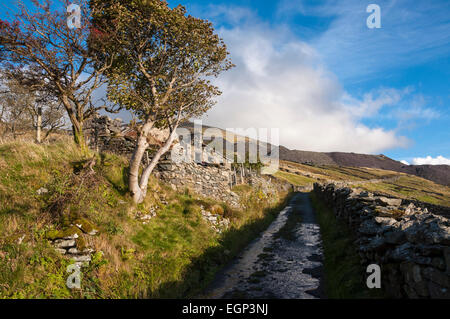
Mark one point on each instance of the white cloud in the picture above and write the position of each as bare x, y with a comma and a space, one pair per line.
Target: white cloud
404, 162
439, 160
279, 82
352, 50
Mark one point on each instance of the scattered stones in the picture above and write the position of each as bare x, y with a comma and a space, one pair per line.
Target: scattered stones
144, 217
217, 222
71, 242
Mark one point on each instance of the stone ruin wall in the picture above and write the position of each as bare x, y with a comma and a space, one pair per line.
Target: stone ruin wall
410, 243
210, 180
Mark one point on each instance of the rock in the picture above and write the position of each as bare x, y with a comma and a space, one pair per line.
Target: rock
389, 201
81, 258
73, 251
93, 232
447, 259
213, 219
412, 248
437, 276
430, 250
394, 237
85, 226
369, 227
374, 244
385, 220
74, 236
364, 194
42, 190
414, 233
64, 243
410, 209
402, 252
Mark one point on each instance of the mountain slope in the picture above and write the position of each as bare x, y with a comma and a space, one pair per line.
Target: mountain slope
437, 173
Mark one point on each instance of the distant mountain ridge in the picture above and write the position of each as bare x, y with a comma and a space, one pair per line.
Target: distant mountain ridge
437, 173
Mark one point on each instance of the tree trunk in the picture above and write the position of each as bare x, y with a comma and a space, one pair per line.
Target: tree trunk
138, 186
39, 125
151, 166
77, 126
78, 136
135, 163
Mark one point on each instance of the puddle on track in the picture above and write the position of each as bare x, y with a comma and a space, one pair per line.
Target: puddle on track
274, 267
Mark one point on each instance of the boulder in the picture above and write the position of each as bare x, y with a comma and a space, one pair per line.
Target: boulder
385, 201
61, 243
369, 227
394, 237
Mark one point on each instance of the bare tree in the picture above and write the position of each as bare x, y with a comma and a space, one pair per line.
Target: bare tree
15, 103
47, 115
26, 107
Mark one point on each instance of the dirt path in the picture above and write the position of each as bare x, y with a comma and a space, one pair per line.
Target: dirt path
284, 262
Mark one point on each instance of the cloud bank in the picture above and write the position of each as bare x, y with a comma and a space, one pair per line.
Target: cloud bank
279, 82
439, 160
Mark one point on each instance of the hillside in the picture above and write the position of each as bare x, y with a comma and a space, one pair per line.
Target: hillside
439, 174
55, 210
389, 182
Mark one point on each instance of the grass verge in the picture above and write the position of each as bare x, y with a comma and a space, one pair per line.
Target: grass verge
344, 275
174, 255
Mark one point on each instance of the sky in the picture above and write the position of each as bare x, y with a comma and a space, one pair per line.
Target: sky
314, 70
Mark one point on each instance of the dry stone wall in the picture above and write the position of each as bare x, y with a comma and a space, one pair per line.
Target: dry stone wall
214, 180
410, 243
210, 178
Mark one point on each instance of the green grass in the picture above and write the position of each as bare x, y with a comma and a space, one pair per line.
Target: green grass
413, 187
406, 186
343, 271
294, 179
175, 255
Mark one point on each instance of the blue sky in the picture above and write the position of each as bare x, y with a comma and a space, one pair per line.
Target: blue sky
315, 70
